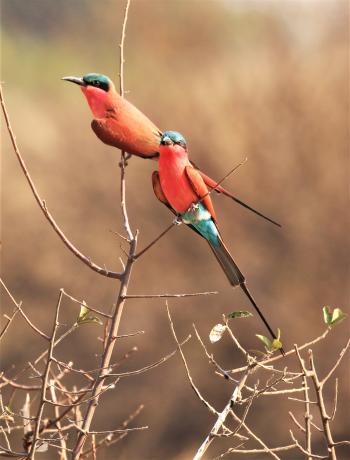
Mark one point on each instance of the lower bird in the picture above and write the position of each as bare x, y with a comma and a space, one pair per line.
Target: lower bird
181, 187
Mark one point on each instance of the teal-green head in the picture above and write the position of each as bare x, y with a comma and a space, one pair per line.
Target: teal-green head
173, 137
92, 79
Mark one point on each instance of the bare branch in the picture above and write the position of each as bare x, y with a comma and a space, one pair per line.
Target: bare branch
115, 321
9, 321
307, 415
168, 296
19, 308
86, 260
80, 302
152, 243
290, 352
195, 389
43, 399
308, 454
342, 353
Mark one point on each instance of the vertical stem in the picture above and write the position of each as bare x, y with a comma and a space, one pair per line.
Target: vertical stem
121, 54
45, 379
107, 354
307, 417
115, 322
321, 405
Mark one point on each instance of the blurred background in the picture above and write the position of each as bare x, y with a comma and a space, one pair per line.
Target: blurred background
266, 80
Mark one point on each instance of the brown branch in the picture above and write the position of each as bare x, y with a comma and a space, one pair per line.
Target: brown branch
86, 260
222, 417
307, 414
321, 405
335, 400
115, 321
108, 440
341, 355
118, 430
195, 389
301, 448
290, 352
253, 435
43, 399
62, 453
258, 451
9, 321
152, 243
292, 416
168, 296
94, 309
19, 308
212, 189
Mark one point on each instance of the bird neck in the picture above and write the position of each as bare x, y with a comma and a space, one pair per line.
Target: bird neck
100, 101
173, 154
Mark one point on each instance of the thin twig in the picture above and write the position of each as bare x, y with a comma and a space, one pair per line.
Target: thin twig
86, 260
164, 232
290, 352
321, 405
301, 448
307, 414
168, 296
195, 389
81, 302
9, 321
341, 355
122, 292
19, 308
222, 417
43, 399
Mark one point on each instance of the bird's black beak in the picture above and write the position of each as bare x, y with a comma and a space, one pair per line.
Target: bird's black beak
79, 81
166, 141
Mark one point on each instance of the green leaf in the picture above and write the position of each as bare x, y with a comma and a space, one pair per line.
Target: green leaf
327, 315
266, 341
276, 344
337, 316
89, 320
238, 314
332, 318
217, 332
84, 318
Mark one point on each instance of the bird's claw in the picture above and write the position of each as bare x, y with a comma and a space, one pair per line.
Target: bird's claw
194, 207
177, 220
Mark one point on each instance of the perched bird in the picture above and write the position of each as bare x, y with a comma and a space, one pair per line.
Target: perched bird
120, 124
181, 187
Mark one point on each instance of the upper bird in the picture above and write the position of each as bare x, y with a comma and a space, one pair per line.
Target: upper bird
119, 123
179, 186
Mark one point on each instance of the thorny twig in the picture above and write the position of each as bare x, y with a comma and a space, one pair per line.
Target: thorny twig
86, 260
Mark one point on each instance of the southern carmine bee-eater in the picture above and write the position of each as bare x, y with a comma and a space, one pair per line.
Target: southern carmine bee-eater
120, 124
181, 187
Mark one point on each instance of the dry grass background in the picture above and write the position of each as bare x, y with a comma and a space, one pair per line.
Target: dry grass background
266, 80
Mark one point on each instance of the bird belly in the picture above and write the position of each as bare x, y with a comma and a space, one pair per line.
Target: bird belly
175, 184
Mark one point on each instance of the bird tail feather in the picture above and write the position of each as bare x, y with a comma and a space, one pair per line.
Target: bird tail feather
231, 270
236, 278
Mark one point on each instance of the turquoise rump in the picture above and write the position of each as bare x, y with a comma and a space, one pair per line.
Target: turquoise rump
199, 218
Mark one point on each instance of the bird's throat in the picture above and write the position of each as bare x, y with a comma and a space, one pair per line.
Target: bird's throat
98, 100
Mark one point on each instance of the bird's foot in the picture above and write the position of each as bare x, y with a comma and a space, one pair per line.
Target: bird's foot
193, 207
177, 220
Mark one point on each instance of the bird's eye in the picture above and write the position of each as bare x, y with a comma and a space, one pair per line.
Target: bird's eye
96, 83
